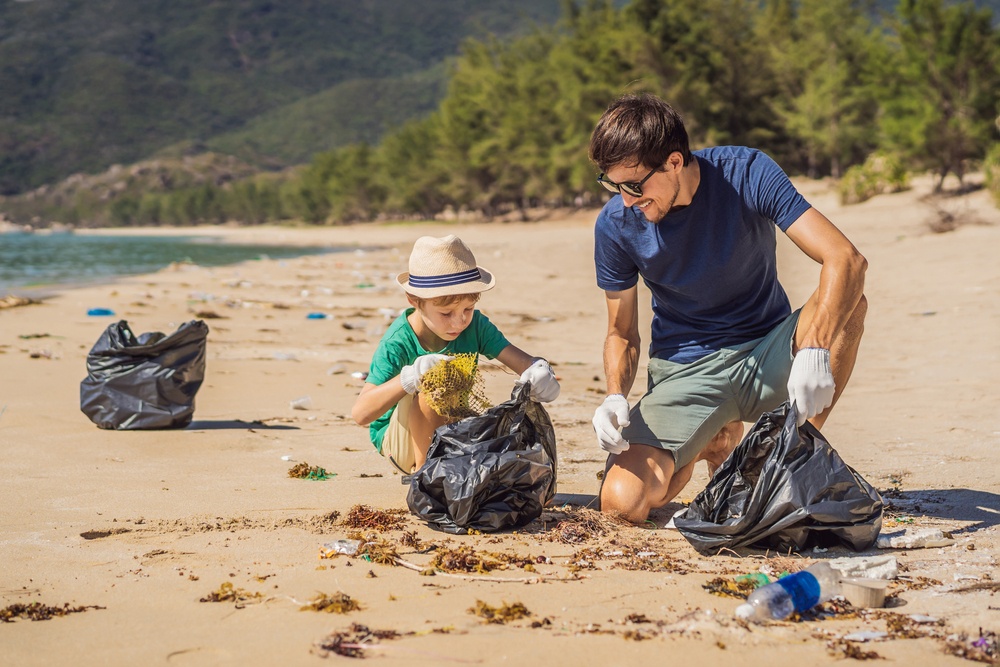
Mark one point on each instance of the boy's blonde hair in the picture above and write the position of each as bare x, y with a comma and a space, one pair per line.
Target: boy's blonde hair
446, 300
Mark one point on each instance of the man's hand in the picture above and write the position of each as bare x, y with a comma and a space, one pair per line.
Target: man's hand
609, 418
810, 384
544, 386
410, 376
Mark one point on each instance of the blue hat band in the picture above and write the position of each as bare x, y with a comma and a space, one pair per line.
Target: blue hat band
445, 280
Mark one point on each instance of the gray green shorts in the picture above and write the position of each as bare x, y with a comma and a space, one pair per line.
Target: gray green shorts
686, 405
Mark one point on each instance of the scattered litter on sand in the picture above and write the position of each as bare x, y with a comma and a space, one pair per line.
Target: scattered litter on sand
915, 539
11, 301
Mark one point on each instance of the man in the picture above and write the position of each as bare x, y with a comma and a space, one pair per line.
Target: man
699, 228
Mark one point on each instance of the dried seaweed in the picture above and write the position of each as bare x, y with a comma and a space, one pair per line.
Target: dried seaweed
353, 642
366, 517
586, 524
730, 588
382, 552
463, 559
306, 471
338, 603
845, 649
36, 611
229, 593
505, 613
986, 648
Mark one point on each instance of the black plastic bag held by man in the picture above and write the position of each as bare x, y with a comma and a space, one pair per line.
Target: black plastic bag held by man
490, 472
783, 487
144, 382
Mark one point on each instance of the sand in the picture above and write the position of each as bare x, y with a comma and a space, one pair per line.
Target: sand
143, 525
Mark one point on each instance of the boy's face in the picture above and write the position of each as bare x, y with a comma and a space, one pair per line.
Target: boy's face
447, 321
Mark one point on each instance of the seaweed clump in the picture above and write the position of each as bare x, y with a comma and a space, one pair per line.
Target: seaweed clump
229, 593
505, 613
353, 642
338, 603
306, 471
36, 611
365, 517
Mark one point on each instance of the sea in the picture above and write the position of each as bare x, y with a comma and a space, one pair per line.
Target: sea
31, 262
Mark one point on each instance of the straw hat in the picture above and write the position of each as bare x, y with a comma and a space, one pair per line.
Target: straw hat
442, 267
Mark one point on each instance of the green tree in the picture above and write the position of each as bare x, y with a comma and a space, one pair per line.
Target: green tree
714, 67
942, 85
827, 103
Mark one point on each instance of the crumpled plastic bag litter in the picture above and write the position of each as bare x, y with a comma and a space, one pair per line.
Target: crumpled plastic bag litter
490, 472
144, 382
783, 487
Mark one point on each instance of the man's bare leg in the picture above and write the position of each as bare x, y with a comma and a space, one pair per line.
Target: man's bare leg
423, 422
643, 478
843, 352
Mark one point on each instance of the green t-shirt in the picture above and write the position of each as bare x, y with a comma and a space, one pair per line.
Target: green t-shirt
400, 347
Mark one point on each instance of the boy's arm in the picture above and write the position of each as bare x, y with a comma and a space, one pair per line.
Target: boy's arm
376, 399
516, 359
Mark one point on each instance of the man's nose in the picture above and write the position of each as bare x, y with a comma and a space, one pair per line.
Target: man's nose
629, 200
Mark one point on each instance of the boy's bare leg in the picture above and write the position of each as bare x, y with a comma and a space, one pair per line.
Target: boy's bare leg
843, 351
643, 478
423, 422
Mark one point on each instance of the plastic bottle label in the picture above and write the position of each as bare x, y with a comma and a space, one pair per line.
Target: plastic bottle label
803, 588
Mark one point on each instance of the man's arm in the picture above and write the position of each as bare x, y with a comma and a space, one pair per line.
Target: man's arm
841, 280
621, 346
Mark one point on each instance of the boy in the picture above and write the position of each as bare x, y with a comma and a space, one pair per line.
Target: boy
442, 285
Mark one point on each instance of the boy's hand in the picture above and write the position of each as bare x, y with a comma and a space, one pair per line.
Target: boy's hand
410, 376
810, 384
609, 418
544, 386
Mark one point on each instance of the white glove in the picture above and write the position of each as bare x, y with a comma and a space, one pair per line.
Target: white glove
410, 376
810, 384
611, 416
544, 386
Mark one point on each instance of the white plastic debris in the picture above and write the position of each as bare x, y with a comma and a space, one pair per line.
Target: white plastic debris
866, 636
915, 539
301, 403
866, 567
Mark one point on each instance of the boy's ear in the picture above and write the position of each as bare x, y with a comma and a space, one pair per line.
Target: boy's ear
414, 301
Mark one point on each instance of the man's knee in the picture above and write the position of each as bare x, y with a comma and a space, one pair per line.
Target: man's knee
624, 498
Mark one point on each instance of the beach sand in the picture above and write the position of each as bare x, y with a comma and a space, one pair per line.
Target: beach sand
143, 525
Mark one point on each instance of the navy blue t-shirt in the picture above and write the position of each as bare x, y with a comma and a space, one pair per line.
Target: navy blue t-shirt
711, 266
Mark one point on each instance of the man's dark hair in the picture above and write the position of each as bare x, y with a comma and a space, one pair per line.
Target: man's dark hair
638, 129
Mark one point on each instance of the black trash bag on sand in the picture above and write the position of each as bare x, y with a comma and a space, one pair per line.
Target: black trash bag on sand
785, 488
490, 472
144, 382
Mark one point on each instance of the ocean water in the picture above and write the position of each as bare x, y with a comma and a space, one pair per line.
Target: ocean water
38, 260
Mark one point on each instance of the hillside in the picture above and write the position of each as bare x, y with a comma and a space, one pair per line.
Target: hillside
90, 83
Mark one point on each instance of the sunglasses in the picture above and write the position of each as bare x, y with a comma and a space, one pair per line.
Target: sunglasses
632, 188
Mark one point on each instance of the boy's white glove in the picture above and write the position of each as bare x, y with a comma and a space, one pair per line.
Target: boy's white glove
544, 385
609, 418
810, 383
410, 376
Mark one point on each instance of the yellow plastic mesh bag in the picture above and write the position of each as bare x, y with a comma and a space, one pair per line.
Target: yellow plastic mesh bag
455, 389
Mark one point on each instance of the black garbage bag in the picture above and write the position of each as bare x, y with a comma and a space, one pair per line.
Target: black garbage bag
144, 382
783, 487
490, 472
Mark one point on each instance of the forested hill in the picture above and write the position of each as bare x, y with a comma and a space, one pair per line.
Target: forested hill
88, 83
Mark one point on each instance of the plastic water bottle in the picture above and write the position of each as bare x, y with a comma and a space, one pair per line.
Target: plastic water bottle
795, 592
